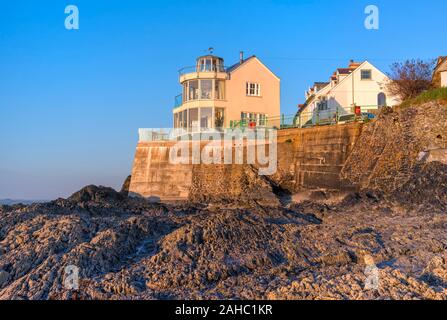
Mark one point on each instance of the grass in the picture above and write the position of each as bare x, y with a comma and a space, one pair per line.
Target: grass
439, 94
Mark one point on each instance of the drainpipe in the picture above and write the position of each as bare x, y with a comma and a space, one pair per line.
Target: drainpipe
353, 90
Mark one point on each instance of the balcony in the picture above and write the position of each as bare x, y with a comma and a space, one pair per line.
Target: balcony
198, 69
178, 101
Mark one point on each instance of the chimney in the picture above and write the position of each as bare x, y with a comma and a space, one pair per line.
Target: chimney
241, 56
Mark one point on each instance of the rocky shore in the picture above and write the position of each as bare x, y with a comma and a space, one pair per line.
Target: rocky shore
394, 227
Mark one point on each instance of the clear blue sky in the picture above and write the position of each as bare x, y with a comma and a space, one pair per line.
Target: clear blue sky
71, 101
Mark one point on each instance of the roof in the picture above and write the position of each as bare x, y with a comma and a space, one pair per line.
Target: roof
209, 56
320, 85
440, 62
344, 70
237, 65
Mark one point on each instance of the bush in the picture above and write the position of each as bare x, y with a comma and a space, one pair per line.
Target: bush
410, 78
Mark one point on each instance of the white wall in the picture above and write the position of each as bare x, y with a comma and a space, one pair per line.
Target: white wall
444, 79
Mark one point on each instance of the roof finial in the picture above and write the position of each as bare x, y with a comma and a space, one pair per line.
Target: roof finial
211, 50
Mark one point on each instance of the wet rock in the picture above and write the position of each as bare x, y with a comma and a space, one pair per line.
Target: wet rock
4, 277
96, 194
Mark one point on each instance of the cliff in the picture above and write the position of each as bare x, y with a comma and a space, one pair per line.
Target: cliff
398, 148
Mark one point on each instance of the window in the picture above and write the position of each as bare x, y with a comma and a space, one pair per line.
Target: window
366, 75
253, 89
193, 89
206, 115
176, 121
193, 118
219, 117
219, 89
183, 119
322, 105
206, 87
258, 118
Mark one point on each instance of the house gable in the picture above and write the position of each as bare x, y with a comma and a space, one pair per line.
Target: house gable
364, 91
253, 59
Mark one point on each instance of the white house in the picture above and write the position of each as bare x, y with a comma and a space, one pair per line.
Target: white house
360, 84
440, 74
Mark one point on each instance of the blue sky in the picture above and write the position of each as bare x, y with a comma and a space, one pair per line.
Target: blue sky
71, 102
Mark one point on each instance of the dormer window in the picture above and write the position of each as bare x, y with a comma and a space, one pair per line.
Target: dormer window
366, 75
253, 89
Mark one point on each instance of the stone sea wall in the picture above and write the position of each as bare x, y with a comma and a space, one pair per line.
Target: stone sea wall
307, 159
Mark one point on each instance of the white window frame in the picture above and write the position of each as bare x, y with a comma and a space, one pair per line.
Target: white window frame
252, 89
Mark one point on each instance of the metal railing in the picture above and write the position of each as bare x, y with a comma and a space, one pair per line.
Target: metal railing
178, 101
308, 119
192, 69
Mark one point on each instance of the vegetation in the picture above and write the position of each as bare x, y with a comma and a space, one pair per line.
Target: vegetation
439, 94
410, 78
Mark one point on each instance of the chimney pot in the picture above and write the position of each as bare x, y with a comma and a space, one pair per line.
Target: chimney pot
241, 56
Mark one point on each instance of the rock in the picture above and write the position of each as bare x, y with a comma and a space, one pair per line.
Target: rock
96, 194
242, 242
125, 188
389, 149
4, 278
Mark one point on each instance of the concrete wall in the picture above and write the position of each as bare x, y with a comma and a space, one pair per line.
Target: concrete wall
313, 158
308, 159
154, 177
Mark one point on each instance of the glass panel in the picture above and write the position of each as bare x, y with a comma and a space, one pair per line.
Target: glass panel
206, 89
183, 119
185, 90
193, 87
194, 119
219, 117
253, 89
219, 86
176, 125
208, 65
366, 74
206, 115
252, 117
220, 67
202, 65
